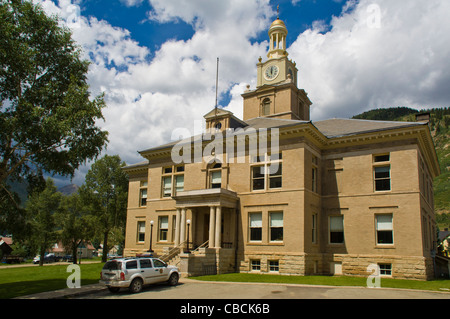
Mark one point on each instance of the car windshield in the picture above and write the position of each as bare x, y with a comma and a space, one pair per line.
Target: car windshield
112, 265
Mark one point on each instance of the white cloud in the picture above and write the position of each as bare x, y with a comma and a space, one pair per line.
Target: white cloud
148, 99
131, 3
361, 64
352, 67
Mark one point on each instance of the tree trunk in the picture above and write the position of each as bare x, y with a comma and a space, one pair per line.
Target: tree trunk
41, 259
105, 247
74, 254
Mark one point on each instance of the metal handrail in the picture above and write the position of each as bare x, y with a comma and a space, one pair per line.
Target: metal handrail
204, 245
172, 252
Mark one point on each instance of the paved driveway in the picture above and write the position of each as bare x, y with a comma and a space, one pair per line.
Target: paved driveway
192, 289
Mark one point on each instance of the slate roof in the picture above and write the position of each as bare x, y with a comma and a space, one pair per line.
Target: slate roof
333, 128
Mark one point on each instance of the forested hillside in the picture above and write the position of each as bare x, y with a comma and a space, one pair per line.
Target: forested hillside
440, 130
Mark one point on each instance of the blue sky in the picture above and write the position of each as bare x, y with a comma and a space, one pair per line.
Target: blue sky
155, 60
299, 16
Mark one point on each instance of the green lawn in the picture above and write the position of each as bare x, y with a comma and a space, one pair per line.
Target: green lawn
23, 281
437, 285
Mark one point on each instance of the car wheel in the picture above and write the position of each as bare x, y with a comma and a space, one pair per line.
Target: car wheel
173, 280
136, 285
114, 289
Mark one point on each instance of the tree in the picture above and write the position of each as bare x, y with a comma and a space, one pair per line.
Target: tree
75, 223
106, 189
47, 119
41, 209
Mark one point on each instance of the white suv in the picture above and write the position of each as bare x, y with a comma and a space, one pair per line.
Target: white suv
133, 273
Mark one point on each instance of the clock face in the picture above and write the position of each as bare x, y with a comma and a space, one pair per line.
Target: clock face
271, 72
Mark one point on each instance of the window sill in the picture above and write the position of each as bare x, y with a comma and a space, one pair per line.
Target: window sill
259, 243
385, 246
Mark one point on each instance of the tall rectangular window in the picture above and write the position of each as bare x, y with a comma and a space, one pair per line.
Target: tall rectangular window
258, 177
314, 177
276, 226
216, 179
385, 230
382, 177
179, 183
143, 197
255, 226
141, 231
314, 228
167, 186
143, 194
163, 228
275, 175
336, 229
382, 172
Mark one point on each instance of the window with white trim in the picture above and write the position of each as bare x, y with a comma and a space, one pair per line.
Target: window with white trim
385, 229
255, 264
163, 227
141, 231
172, 180
382, 172
267, 172
143, 194
276, 226
255, 226
274, 266
215, 175
385, 269
336, 229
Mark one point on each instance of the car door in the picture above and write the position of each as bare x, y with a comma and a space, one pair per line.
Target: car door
149, 273
131, 269
161, 270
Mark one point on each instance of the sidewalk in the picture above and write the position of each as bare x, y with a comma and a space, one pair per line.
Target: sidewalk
66, 293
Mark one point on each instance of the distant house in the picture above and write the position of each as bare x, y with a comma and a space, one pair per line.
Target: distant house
112, 252
87, 250
5, 245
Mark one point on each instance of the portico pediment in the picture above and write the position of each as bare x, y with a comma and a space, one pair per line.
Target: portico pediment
206, 198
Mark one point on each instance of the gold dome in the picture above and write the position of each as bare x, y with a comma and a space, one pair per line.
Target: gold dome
277, 22
278, 25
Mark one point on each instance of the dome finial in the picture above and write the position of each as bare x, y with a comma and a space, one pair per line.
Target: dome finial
278, 11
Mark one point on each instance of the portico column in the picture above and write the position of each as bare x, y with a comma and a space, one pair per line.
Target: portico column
183, 226
212, 222
218, 227
177, 227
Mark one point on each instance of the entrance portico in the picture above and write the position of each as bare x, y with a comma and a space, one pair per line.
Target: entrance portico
217, 201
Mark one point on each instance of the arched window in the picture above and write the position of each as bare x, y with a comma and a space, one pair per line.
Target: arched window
266, 107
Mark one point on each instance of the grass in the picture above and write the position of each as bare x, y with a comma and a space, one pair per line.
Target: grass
435, 285
21, 281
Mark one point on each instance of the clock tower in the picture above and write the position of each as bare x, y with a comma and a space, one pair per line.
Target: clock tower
276, 93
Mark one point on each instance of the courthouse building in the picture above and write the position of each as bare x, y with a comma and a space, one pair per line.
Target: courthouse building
326, 197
